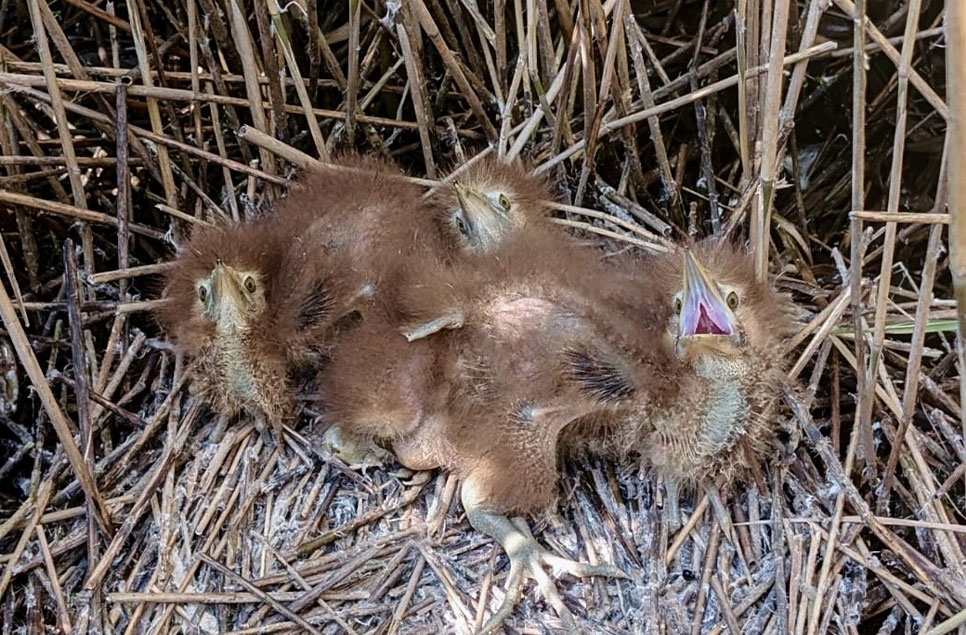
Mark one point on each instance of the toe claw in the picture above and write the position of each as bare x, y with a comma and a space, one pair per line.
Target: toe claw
584, 569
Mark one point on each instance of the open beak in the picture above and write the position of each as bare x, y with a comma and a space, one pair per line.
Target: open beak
704, 312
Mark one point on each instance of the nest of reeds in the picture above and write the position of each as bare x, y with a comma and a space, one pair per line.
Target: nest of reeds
123, 125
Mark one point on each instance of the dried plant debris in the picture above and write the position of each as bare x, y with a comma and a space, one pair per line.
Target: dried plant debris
124, 510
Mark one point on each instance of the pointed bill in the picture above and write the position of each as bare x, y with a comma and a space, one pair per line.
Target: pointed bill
475, 205
228, 300
704, 312
225, 284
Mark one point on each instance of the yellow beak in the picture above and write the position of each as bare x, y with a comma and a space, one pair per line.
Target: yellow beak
226, 290
704, 312
475, 205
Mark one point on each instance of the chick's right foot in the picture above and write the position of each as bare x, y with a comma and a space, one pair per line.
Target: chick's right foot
353, 450
527, 561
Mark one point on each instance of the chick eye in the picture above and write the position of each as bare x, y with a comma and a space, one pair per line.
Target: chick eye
461, 225
677, 305
504, 202
732, 300
202, 293
250, 284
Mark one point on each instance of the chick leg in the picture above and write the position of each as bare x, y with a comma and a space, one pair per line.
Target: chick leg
271, 428
218, 432
672, 507
527, 560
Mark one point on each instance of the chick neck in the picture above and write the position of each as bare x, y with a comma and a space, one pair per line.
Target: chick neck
725, 413
234, 349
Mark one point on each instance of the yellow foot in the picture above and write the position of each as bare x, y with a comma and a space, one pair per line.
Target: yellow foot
355, 451
527, 561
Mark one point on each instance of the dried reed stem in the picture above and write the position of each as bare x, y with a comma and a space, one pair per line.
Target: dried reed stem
956, 94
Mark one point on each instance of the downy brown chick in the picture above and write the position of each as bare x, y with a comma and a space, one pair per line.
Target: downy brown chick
491, 200
725, 331
259, 302
361, 210
679, 362
703, 408
488, 203
219, 311
702, 374
486, 401
359, 228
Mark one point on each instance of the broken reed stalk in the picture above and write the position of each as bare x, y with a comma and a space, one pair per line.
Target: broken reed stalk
761, 220
144, 63
292, 64
889, 239
741, 48
866, 382
956, 95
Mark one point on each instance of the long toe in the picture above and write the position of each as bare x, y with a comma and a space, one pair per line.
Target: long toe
526, 563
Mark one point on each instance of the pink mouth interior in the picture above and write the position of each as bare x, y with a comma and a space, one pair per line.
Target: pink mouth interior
707, 326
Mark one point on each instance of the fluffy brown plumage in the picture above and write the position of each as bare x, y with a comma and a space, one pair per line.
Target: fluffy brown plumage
488, 204
705, 377
488, 399
525, 343
556, 350
330, 251
489, 201
725, 331
221, 293
363, 210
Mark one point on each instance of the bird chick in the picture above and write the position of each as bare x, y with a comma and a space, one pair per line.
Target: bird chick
486, 401
259, 303
363, 212
725, 332
486, 386
491, 200
219, 295
489, 203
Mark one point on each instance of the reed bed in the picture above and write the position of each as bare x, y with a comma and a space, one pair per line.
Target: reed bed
814, 131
